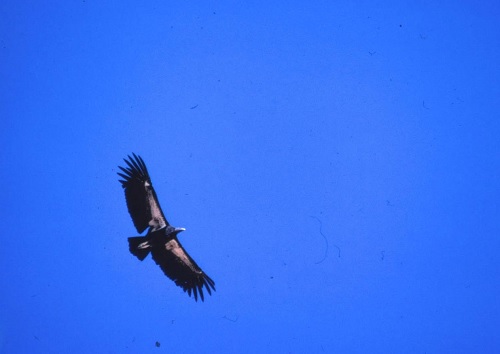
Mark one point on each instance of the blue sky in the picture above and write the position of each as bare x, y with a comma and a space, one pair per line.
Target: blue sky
335, 164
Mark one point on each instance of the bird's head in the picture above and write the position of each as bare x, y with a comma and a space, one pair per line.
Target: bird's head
173, 231
179, 229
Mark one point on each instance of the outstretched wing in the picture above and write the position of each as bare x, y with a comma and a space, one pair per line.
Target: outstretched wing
182, 269
142, 202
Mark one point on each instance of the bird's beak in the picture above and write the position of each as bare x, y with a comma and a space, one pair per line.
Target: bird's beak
179, 229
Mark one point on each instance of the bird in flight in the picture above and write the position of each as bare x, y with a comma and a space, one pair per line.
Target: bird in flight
161, 239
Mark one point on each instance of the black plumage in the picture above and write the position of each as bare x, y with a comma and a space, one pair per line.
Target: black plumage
161, 239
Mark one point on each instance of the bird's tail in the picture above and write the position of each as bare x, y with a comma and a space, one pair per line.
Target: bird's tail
139, 246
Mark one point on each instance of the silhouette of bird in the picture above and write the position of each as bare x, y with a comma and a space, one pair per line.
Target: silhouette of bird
161, 239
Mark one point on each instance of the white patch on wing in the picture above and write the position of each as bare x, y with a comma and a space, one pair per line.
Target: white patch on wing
174, 247
157, 221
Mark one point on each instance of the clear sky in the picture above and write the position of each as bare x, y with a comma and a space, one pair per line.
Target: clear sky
336, 165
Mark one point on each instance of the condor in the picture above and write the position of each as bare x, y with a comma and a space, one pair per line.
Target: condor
161, 240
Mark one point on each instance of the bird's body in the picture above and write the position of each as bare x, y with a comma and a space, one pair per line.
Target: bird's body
161, 240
